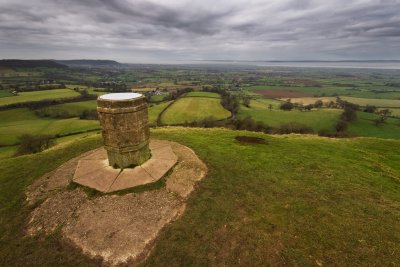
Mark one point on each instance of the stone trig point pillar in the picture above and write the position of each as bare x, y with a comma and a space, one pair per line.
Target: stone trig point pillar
124, 121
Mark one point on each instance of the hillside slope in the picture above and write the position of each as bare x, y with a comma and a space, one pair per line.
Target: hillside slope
19, 63
296, 200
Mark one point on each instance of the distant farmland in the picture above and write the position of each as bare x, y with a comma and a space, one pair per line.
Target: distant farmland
37, 96
191, 109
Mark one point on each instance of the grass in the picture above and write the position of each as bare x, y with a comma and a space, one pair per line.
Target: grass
75, 108
202, 94
331, 90
297, 201
5, 93
364, 126
390, 103
155, 110
157, 98
16, 122
38, 95
190, 109
317, 118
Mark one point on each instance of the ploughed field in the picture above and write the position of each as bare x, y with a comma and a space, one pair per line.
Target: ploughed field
290, 200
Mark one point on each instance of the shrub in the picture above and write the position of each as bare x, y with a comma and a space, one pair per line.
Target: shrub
370, 109
295, 127
318, 103
341, 126
349, 114
30, 144
88, 114
287, 106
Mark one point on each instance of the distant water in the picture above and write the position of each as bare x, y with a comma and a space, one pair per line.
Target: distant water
389, 65
344, 64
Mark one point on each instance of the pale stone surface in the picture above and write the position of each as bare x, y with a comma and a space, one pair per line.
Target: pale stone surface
125, 179
93, 170
121, 96
122, 229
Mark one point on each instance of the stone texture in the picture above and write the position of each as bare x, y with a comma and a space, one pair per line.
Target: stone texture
120, 228
125, 130
93, 170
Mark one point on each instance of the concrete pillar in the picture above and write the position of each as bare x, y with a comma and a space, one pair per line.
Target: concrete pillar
124, 121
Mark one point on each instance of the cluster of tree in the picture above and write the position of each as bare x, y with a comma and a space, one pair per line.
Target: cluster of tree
178, 93
115, 87
288, 105
250, 124
38, 87
46, 112
29, 144
383, 115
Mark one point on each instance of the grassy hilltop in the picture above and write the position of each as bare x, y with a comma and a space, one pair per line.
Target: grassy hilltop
296, 200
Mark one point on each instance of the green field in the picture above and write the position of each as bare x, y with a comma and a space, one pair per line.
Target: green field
155, 110
317, 118
390, 103
16, 122
395, 112
295, 201
75, 108
203, 94
364, 126
37, 96
5, 93
331, 90
190, 109
157, 98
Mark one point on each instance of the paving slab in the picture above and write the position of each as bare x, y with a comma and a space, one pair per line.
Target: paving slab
94, 171
101, 180
86, 167
100, 153
131, 178
164, 152
158, 167
154, 144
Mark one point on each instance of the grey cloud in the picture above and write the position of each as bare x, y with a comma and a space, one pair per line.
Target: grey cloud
129, 30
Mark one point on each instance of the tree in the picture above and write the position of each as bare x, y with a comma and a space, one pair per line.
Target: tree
370, 109
318, 103
33, 143
287, 106
341, 126
246, 101
349, 114
383, 115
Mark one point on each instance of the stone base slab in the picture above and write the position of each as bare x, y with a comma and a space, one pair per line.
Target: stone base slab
94, 172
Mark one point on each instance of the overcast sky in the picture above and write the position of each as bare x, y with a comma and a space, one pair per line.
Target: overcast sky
168, 30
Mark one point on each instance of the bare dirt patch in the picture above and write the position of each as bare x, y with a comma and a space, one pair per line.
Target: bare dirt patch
117, 228
282, 93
